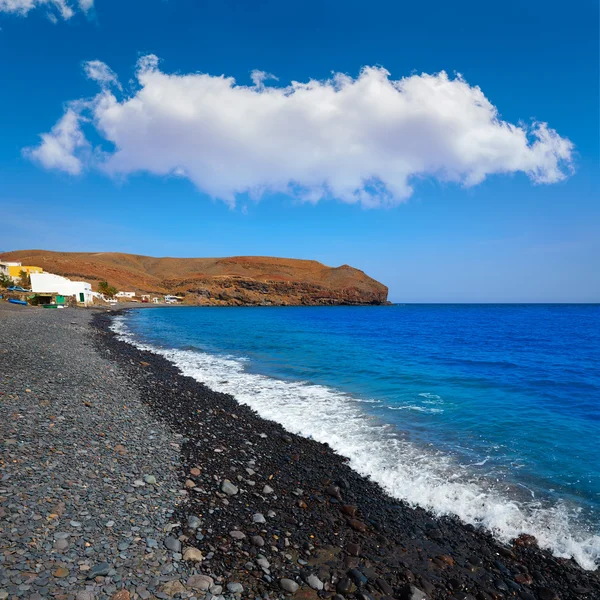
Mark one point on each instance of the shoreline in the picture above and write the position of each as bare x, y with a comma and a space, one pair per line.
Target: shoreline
300, 522
381, 514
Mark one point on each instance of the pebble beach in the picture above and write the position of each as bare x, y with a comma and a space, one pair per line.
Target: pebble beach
120, 478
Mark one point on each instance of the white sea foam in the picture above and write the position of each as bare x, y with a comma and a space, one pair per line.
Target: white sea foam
417, 408
406, 471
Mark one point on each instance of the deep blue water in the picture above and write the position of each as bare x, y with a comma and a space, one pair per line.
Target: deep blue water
490, 412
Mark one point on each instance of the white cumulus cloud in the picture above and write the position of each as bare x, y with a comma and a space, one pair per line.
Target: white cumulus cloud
364, 140
63, 8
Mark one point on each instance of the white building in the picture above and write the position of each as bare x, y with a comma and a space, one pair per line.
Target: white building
4, 267
48, 283
125, 294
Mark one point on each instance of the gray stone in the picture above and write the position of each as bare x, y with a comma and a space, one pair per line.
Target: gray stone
314, 582
228, 488
237, 535
288, 585
85, 595
216, 590
263, 563
150, 479
61, 545
258, 541
268, 489
200, 582
414, 593
194, 522
99, 570
258, 518
173, 544
235, 588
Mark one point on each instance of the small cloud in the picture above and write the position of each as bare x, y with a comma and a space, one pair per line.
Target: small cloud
64, 9
57, 149
259, 77
100, 72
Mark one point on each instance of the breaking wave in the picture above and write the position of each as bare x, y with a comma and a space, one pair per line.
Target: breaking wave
419, 476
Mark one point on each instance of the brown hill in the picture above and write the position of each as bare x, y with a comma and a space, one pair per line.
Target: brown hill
239, 280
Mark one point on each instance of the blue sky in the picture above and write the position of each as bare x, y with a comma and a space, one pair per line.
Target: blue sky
507, 238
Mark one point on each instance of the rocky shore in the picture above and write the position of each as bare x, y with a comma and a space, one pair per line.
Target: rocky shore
120, 478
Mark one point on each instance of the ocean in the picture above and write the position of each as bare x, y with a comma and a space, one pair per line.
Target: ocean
490, 413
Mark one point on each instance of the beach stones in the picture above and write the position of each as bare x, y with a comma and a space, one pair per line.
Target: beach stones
228, 488
334, 492
353, 549
99, 570
288, 585
356, 576
410, 592
237, 535
263, 563
235, 587
194, 522
357, 525
192, 554
345, 586
61, 545
268, 489
314, 582
258, 518
200, 582
525, 541
172, 544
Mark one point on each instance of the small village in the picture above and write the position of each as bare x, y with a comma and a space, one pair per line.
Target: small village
28, 285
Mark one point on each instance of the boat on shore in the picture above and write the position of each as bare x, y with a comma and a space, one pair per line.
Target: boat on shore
15, 301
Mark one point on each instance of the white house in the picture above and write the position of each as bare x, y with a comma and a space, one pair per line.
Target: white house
4, 270
48, 283
125, 294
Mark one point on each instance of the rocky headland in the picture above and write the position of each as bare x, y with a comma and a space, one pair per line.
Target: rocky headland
234, 281
120, 478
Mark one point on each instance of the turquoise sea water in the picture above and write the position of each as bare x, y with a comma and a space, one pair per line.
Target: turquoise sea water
488, 412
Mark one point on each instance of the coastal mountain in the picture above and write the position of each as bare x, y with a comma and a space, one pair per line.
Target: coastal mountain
234, 281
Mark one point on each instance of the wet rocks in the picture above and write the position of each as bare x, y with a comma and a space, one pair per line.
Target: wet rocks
235, 587
525, 541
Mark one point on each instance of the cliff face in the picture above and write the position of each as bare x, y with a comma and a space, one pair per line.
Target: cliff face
244, 280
